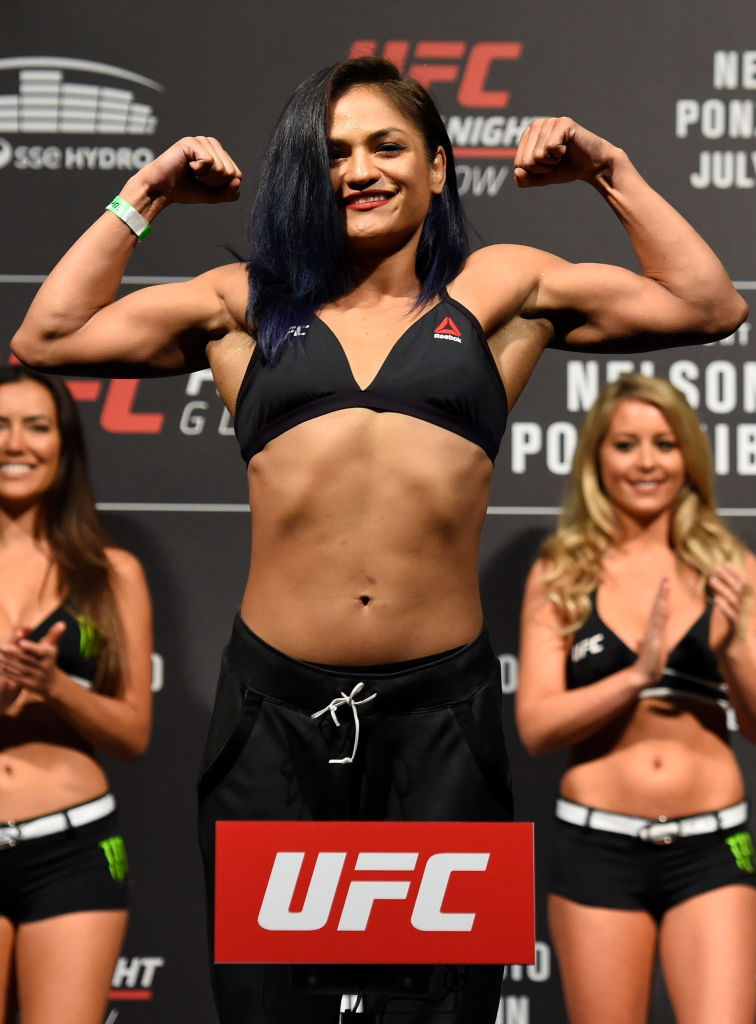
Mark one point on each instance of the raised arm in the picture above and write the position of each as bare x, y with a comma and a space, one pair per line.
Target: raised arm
682, 294
549, 716
75, 319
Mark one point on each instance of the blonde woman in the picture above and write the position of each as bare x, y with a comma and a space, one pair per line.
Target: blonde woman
638, 636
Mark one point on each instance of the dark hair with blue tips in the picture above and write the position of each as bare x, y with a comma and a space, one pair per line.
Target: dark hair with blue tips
297, 257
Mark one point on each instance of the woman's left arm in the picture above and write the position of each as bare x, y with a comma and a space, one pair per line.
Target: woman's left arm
120, 724
682, 293
734, 637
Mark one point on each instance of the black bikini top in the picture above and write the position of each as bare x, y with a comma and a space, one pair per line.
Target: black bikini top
440, 370
691, 670
78, 647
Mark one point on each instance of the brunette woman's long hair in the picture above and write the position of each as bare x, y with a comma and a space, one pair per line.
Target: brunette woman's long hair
297, 259
69, 523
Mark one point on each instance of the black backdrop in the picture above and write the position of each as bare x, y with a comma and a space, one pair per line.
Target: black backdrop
89, 92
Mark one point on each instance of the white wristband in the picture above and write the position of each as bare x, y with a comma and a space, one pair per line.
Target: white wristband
130, 217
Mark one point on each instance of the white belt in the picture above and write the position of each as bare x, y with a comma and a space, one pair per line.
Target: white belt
652, 830
12, 832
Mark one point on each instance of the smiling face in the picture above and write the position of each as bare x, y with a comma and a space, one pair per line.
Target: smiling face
380, 170
640, 463
30, 442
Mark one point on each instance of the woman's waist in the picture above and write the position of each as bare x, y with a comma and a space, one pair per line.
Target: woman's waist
444, 676
656, 777
369, 618
37, 778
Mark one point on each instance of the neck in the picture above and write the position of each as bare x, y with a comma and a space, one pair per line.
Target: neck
642, 534
19, 524
378, 272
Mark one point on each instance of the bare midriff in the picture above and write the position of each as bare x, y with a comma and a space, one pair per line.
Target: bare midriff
365, 531
44, 764
668, 758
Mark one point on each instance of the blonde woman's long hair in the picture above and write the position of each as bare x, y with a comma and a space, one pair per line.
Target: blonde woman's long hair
574, 554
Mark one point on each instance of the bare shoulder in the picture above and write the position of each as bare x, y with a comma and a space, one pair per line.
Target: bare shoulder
535, 584
231, 285
125, 567
520, 260
497, 281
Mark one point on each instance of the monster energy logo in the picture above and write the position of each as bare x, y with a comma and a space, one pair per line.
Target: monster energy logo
90, 640
115, 852
741, 847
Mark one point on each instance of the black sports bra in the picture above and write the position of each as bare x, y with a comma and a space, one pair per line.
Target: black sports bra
691, 670
440, 370
78, 647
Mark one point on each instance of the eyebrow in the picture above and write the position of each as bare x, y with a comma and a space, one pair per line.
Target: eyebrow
41, 417
375, 136
656, 436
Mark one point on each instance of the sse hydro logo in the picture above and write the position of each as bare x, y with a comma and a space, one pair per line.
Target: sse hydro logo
483, 131
70, 97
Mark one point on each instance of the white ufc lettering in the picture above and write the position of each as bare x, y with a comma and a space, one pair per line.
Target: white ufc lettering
427, 915
589, 645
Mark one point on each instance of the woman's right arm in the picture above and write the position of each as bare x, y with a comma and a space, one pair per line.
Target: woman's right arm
549, 716
75, 319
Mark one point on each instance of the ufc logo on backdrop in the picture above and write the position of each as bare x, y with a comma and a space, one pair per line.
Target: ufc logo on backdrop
374, 892
117, 415
431, 62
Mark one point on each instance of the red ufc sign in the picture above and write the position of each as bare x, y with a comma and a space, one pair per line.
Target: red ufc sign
374, 892
118, 415
431, 61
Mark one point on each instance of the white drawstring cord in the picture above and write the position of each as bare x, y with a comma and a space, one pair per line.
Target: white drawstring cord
333, 707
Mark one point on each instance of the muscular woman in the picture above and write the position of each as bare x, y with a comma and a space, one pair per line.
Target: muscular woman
369, 363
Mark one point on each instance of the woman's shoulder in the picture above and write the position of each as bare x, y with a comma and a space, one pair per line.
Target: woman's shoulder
231, 285
124, 565
538, 575
497, 282
508, 256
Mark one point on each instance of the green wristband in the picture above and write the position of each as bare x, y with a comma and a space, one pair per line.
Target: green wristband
130, 217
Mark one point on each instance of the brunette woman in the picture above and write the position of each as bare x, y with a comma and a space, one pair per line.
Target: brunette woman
75, 626
369, 363
638, 640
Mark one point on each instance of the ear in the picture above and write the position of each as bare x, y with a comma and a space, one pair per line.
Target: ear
438, 171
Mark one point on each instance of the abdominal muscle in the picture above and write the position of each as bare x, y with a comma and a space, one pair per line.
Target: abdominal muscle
44, 765
672, 759
365, 531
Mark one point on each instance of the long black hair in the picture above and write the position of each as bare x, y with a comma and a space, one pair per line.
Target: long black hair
69, 522
296, 244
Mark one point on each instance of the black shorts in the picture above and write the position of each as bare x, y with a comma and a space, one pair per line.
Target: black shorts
83, 868
603, 869
431, 748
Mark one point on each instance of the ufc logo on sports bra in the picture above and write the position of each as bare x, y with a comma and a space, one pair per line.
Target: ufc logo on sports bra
374, 892
588, 645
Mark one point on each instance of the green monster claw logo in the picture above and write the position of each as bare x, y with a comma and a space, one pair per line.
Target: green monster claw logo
90, 640
741, 847
115, 852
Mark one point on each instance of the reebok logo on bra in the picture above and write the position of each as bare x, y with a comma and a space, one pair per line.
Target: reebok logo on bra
447, 330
